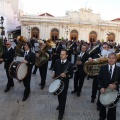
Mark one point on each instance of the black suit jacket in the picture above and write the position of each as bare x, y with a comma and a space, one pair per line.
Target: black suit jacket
30, 58
67, 67
8, 57
83, 60
104, 77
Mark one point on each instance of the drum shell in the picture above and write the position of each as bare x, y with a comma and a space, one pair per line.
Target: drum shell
58, 88
114, 97
13, 69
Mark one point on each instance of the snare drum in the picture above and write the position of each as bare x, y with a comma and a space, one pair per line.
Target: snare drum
18, 70
56, 87
109, 98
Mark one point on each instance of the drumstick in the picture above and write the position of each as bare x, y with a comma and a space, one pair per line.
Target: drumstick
59, 76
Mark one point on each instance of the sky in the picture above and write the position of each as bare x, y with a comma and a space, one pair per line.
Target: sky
108, 9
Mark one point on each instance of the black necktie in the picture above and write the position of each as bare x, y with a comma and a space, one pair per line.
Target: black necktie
25, 55
62, 62
110, 71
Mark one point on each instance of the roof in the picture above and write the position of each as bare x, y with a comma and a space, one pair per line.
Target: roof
117, 19
46, 14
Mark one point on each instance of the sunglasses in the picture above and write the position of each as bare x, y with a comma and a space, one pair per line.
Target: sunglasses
7, 44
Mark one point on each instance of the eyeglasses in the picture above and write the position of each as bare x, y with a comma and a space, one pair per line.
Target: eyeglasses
7, 44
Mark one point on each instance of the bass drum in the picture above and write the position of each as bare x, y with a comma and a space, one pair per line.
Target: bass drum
109, 98
56, 87
18, 70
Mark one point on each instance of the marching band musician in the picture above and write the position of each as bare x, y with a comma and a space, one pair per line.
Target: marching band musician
69, 49
61, 66
8, 57
104, 53
56, 53
29, 57
42, 69
80, 74
109, 78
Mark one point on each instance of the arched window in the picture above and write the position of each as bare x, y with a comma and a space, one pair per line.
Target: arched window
54, 34
35, 32
92, 36
111, 37
74, 35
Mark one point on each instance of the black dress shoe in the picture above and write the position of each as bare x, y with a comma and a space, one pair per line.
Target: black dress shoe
98, 108
57, 108
42, 87
25, 98
7, 89
92, 100
78, 94
11, 85
74, 91
60, 117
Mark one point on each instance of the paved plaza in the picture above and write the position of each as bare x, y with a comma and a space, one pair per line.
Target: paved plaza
41, 105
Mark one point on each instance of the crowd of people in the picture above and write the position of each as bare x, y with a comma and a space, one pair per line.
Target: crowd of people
61, 61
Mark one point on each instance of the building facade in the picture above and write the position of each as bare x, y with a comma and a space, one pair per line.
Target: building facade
75, 25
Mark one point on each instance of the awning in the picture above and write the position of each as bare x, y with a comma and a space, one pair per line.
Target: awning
18, 29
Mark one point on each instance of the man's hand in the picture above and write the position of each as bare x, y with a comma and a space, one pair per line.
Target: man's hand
1, 59
112, 86
37, 55
24, 61
102, 90
63, 75
53, 74
78, 62
90, 59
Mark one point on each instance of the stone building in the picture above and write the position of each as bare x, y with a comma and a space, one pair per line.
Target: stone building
75, 25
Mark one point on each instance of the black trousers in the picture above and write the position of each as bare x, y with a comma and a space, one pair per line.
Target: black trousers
26, 83
62, 98
94, 87
10, 80
110, 115
43, 72
78, 82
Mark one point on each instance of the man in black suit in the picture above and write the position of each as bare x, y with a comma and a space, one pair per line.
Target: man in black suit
105, 51
61, 66
109, 78
82, 57
30, 61
56, 54
42, 70
8, 57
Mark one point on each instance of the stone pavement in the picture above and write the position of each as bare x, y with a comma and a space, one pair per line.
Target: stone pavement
41, 105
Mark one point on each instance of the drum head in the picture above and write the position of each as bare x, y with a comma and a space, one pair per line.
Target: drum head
22, 70
54, 86
108, 97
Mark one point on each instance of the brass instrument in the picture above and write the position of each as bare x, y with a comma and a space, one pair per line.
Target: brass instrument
92, 68
43, 56
18, 49
94, 50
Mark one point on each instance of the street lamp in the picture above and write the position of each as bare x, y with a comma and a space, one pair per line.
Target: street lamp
28, 28
67, 31
2, 31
